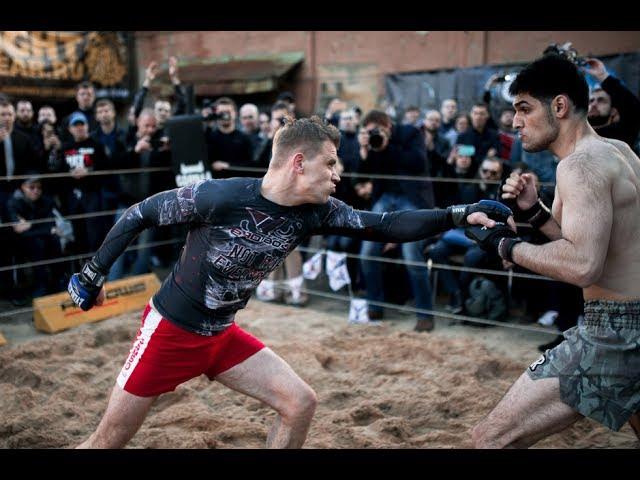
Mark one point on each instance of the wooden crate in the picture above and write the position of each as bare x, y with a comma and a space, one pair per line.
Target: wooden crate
57, 312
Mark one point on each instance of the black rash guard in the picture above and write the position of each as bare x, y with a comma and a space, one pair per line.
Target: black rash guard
237, 237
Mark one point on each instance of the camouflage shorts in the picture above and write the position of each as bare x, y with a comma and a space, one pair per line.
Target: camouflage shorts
598, 363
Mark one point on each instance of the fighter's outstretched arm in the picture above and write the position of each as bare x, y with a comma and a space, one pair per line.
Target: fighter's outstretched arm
410, 225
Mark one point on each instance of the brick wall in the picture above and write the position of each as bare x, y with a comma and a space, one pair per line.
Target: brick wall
355, 63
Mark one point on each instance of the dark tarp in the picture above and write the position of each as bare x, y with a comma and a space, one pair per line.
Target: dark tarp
427, 90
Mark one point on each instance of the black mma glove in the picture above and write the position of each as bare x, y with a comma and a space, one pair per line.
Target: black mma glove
499, 239
84, 287
457, 214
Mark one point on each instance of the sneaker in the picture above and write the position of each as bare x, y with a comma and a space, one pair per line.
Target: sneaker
299, 300
548, 318
455, 303
424, 325
269, 291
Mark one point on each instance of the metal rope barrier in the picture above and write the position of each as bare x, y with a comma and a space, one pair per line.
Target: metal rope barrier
89, 174
429, 264
375, 176
87, 255
380, 176
77, 216
402, 308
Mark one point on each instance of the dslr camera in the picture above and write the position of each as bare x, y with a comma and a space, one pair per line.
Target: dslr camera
218, 116
208, 103
375, 138
567, 52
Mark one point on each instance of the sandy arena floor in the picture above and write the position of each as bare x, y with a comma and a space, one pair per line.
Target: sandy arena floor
379, 386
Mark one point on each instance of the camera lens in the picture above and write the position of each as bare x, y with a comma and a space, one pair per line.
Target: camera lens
375, 138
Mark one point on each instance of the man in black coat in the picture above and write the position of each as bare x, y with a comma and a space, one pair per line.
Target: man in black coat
614, 111
17, 156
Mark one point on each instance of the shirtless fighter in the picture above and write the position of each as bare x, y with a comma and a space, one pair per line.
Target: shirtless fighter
594, 228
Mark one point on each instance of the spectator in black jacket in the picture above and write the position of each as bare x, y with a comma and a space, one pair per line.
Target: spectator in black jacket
144, 150
279, 112
37, 241
349, 154
438, 150
113, 139
82, 192
250, 127
614, 112
46, 112
399, 150
227, 146
264, 120
49, 132
17, 156
449, 111
484, 139
25, 124
85, 97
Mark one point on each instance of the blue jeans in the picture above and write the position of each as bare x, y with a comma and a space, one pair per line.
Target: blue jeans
474, 257
412, 251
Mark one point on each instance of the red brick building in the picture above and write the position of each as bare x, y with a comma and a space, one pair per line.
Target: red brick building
252, 66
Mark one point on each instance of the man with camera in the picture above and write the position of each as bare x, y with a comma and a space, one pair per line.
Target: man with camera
228, 147
394, 150
146, 150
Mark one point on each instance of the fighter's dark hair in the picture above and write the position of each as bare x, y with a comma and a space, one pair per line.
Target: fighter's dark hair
550, 76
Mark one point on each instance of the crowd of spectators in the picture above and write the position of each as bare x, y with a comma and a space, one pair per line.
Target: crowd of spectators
463, 156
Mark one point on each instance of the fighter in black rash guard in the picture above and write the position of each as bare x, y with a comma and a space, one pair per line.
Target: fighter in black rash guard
237, 237
240, 229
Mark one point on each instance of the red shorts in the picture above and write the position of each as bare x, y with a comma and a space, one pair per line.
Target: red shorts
164, 355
